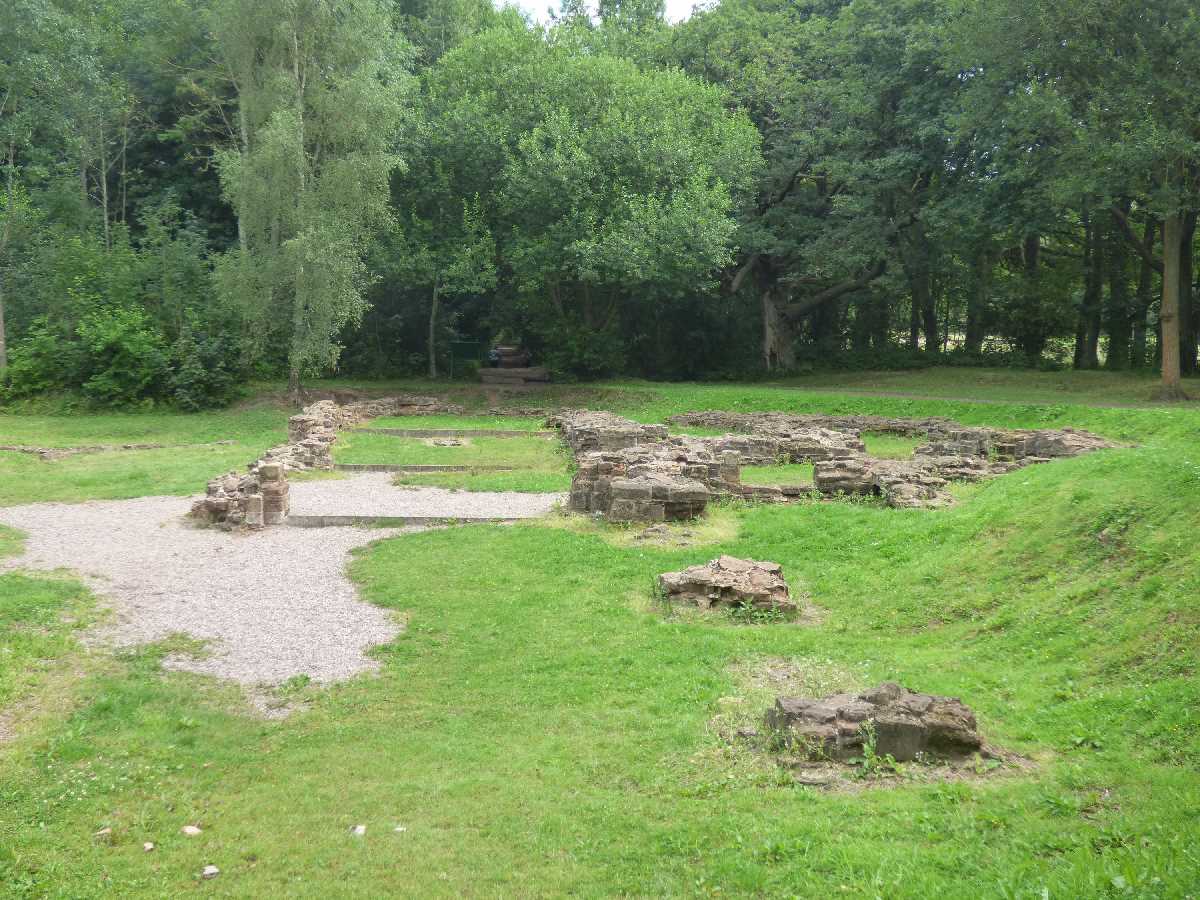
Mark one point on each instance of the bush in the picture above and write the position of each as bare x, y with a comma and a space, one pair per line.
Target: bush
43, 362
124, 356
205, 370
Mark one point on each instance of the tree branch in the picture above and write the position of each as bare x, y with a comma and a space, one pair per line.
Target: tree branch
796, 310
1145, 252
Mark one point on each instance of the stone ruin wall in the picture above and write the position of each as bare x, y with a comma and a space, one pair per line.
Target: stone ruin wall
629, 471
260, 497
633, 472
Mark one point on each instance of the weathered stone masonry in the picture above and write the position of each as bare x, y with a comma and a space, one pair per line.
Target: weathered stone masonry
260, 497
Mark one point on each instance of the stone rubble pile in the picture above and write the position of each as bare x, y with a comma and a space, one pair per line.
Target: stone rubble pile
729, 582
260, 497
905, 724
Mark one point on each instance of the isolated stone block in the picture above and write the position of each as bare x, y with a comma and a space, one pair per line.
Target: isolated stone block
729, 582
905, 724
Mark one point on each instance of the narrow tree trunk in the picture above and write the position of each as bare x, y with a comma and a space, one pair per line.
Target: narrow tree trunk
1187, 304
124, 169
10, 183
779, 340
1171, 388
432, 346
1032, 334
1137, 353
1118, 313
3, 330
977, 301
1087, 333
104, 188
914, 253
83, 190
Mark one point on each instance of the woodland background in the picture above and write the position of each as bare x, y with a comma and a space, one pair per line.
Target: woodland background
196, 193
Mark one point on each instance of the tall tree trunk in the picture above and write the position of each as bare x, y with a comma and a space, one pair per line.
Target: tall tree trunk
83, 189
1031, 338
433, 314
1187, 304
1137, 352
3, 329
104, 187
1171, 387
914, 253
1087, 332
1118, 313
779, 338
982, 266
10, 184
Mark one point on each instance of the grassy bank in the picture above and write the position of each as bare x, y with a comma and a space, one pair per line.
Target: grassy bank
541, 729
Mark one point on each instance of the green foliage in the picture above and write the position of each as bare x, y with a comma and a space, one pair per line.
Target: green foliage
609, 190
122, 358
321, 91
206, 370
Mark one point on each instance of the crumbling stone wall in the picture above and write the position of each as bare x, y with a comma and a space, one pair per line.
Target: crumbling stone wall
260, 497
585, 431
670, 480
253, 500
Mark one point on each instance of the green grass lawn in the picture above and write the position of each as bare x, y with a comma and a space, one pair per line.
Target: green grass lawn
464, 423
890, 446
1000, 385
541, 465
191, 459
541, 729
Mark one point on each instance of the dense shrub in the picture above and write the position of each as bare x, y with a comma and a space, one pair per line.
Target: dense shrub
123, 358
205, 370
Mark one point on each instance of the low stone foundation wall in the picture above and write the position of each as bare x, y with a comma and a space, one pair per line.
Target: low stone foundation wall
673, 479
250, 501
260, 497
585, 431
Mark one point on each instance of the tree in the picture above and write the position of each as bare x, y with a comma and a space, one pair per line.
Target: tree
1126, 80
609, 189
322, 88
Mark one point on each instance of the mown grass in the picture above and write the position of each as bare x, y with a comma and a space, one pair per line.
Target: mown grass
463, 423
539, 730
528, 481
194, 454
890, 446
39, 621
1001, 385
540, 465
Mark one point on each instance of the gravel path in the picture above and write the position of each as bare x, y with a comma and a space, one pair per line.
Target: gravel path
273, 604
373, 494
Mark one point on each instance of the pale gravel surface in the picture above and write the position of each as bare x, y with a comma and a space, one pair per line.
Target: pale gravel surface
273, 604
373, 494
